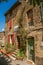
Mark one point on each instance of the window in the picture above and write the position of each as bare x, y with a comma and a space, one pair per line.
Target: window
24, 0
16, 28
41, 45
7, 18
10, 24
30, 23
11, 14
15, 11
30, 16
41, 4
42, 35
11, 39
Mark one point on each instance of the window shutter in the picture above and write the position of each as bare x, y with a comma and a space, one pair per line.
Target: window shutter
13, 39
10, 24
8, 38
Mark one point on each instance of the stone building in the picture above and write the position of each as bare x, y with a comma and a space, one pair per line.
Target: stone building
2, 38
32, 21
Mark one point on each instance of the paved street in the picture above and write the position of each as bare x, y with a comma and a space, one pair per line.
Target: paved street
18, 62
4, 60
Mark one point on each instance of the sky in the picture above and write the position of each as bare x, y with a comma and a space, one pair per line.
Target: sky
4, 7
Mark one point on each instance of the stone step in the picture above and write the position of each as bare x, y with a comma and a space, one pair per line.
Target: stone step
9, 57
13, 55
12, 58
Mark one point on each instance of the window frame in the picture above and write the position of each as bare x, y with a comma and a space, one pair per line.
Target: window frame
31, 23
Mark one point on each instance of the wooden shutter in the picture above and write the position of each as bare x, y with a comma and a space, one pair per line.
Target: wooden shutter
13, 39
10, 24
8, 38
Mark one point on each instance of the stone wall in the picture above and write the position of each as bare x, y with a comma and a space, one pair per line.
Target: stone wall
2, 38
34, 31
39, 61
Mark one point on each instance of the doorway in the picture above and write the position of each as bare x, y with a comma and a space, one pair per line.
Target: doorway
18, 39
31, 49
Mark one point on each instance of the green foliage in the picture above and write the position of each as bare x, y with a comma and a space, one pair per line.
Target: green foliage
8, 45
22, 31
20, 54
9, 48
22, 49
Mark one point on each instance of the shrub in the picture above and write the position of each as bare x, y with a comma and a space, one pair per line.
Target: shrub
8, 47
20, 55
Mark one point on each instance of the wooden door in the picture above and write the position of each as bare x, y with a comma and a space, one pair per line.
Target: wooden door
31, 50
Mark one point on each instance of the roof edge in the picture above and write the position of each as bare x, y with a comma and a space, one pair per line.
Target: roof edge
12, 7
